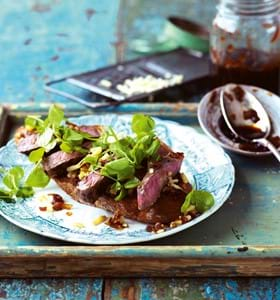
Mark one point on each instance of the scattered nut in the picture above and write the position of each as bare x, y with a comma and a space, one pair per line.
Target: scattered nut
99, 220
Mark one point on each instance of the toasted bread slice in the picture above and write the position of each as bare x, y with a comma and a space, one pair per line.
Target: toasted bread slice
165, 210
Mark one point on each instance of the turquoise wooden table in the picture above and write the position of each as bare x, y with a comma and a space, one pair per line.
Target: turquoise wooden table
43, 40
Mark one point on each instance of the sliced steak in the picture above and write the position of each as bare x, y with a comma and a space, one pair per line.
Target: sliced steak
166, 209
155, 179
93, 130
164, 150
28, 143
89, 187
56, 163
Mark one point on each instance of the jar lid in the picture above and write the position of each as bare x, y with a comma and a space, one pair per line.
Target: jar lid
176, 32
188, 34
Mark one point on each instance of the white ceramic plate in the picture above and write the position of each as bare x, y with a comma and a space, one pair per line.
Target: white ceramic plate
207, 166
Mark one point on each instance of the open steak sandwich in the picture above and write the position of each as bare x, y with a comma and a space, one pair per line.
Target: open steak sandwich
137, 176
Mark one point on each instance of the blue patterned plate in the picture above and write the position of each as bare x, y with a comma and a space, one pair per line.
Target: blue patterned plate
206, 165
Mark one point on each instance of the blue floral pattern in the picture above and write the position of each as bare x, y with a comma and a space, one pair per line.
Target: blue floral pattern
206, 165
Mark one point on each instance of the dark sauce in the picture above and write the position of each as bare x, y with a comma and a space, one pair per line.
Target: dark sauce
57, 202
251, 114
248, 131
246, 66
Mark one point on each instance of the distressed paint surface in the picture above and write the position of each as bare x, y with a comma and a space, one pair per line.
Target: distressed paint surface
51, 289
58, 38
193, 289
41, 40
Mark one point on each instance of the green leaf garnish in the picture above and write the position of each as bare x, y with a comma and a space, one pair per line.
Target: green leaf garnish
34, 122
119, 169
202, 200
65, 147
14, 185
115, 157
132, 183
121, 194
55, 116
13, 177
36, 155
142, 124
25, 192
37, 177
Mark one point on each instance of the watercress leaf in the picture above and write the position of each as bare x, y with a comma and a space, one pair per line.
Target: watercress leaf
130, 141
65, 147
36, 155
139, 151
25, 192
121, 194
132, 183
13, 177
202, 200
34, 122
55, 116
115, 187
9, 181
142, 124
72, 135
153, 149
121, 169
145, 142
17, 172
121, 148
37, 178
30, 121
138, 154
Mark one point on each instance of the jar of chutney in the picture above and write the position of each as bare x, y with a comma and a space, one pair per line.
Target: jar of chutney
245, 43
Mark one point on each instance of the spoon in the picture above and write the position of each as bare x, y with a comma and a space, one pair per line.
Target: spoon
246, 117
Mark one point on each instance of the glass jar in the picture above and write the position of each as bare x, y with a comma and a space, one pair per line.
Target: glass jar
245, 43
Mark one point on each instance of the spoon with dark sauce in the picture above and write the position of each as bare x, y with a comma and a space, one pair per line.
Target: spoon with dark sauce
246, 117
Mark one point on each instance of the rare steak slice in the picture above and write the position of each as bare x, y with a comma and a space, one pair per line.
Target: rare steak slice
156, 178
28, 143
166, 209
94, 130
89, 187
56, 163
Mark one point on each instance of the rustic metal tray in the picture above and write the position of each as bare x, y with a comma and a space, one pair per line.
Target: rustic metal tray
241, 239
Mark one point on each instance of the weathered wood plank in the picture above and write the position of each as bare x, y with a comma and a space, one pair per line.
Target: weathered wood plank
192, 288
136, 261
